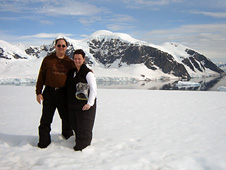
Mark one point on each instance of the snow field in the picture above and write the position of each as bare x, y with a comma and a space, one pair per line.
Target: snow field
134, 130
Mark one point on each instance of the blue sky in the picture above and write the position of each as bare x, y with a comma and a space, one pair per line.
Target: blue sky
200, 25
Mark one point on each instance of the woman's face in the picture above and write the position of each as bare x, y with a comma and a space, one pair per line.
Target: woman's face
78, 60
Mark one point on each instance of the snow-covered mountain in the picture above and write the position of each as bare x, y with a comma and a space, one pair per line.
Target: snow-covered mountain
112, 56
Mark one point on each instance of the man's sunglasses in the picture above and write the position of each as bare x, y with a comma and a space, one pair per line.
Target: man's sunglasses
61, 46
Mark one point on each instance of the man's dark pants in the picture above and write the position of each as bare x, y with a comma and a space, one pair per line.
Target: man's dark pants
53, 98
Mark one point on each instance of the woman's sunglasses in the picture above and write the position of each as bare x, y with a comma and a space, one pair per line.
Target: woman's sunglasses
63, 46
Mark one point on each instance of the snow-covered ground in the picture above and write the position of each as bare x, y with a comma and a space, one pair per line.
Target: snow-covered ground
134, 130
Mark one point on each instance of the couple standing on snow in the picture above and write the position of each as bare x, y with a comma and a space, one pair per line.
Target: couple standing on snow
63, 80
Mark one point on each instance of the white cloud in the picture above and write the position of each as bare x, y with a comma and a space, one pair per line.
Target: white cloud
208, 39
45, 35
149, 3
89, 20
46, 22
36, 39
115, 27
212, 14
12, 6
122, 18
4, 18
215, 29
120, 22
69, 8
51, 8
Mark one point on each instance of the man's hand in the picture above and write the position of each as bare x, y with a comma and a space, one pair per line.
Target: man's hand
39, 98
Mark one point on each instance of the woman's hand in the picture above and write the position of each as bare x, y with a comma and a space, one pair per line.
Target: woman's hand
86, 107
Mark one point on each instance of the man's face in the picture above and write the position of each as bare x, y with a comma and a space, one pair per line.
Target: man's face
61, 47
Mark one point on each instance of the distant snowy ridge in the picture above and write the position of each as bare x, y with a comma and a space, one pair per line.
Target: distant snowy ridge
221, 66
112, 57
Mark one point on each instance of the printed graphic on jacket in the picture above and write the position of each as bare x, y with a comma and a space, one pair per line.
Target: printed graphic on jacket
59, 69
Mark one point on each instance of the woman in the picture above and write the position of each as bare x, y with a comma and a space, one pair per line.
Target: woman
81, 106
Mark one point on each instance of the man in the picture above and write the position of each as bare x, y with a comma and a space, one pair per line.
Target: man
53, 74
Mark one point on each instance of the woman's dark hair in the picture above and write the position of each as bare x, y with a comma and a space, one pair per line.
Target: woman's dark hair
61, 39
79, 51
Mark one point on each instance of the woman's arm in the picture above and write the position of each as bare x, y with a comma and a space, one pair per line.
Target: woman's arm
91, 80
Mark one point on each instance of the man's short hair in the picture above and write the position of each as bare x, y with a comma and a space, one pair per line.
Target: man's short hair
61, 39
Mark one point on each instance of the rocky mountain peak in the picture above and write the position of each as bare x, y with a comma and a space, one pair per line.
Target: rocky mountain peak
107, 49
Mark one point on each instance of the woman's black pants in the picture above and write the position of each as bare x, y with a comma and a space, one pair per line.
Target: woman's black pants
82, 123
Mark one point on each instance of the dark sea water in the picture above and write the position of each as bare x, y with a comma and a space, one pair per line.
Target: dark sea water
199, 84
195, 84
